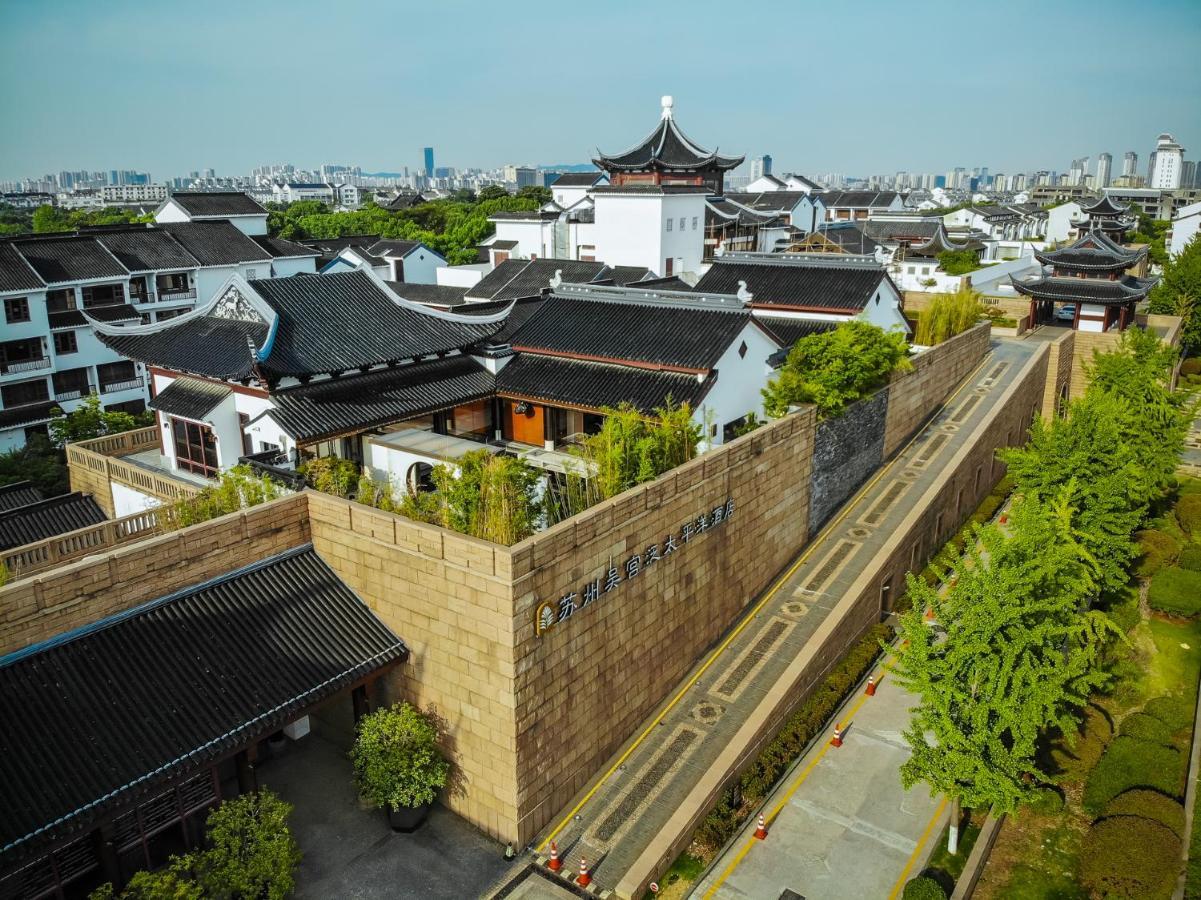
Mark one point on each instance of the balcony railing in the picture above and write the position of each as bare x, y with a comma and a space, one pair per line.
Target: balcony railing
165, 295
73, 393
127, 385
28, 365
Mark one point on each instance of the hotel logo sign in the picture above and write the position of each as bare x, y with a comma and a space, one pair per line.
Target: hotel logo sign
550, 614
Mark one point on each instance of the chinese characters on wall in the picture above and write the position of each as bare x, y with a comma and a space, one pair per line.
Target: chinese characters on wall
550, 614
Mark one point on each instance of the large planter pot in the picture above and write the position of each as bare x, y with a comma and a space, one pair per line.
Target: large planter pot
408, 818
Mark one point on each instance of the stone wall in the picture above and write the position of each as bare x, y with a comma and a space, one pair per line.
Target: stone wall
915, 395
77, 594
450, 598
846, 451
1059, 373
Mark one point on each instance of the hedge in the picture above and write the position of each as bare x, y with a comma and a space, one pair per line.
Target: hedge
1157, 549
1176, 591
1132, 763
1149, 805
1146, 728
790, 742
923, 888
1046, 802
1076, 761
1175, 712
1190, 557
1128, 856
1191, 366
1188, 513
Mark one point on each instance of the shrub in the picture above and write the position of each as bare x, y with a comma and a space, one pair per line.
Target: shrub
1131, 763
1190, 558
1128, 856
332, 475
948, 315
1146, 728
923, 888
251, 850
1149, 805
1124, 610
1175, 712
1191, 366
239, 488
396, 758
1188, 513
1176, 591
1157, 549
1075, 761
1046, 802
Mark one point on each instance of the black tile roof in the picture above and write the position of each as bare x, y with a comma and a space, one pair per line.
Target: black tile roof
190, 398
69, 259
592, 385
405, 201
1093, 251
515, 278
393, 248
216, 243
19, 493
525, 215
47, 518
788, 329
205, 345
1086, 290
857, 199
343, 321
915, 230
70, 318
658, 334
217, 204
520, 311
779, 201
15, 273
848, 236
332, 246
354, 403
654, 189
27, 414
666, 147
795, 284
577, 179
114, 312
146, 249
1103, 206
282, 249
433, 294
101, 717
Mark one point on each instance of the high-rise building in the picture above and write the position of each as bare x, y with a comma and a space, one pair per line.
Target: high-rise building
1104, 164
1188, 174
1129, 164
429, 162
1168, 165
760, 166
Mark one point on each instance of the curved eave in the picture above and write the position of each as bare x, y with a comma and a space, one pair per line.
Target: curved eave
1044, 289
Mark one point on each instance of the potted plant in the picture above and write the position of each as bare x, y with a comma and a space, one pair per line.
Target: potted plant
398, 765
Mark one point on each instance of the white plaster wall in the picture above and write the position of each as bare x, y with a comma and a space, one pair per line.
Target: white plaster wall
1059, 221
172, 212
285, 266
629, 230
531, 241
127, 501
392, 465
1184, 229
740, 379
250, 224
462, 276
422, 265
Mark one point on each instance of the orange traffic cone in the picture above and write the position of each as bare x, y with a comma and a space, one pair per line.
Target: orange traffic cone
585, 879
836, 741
554, 863
871, 686
761, 830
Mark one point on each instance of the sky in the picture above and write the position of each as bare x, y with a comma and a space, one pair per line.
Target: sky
862, 87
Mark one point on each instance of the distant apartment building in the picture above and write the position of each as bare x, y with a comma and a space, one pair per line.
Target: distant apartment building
760, 166
428, 153
292, 191
1129, 164
1168, 165
1104, 165
522, 176
133, 193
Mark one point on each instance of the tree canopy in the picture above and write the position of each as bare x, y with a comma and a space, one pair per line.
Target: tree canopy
832, 369
1179, 291
91, 420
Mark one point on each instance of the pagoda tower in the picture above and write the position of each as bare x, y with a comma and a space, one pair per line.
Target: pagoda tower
1092, 275
1109, 218
667, 157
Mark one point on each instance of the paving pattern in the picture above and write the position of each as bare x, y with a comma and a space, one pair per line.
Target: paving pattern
632, 801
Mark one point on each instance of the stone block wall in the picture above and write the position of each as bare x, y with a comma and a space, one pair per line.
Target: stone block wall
1059, 373
846, 451
95, 483
79, 593
914, 396
584, 684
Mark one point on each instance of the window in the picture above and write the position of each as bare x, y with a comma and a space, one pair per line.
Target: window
195, 447
16, 309
694, 221
682, 223
252, 273
742, 350
25, 392
64, 342
669, 221
911, 270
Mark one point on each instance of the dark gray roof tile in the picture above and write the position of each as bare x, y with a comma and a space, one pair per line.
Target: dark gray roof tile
592, 385
46, 518
218, 204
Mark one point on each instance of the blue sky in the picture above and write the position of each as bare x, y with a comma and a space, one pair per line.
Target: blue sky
855, 87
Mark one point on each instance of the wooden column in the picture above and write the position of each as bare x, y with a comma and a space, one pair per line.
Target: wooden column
106, 852
360, 701
248, 782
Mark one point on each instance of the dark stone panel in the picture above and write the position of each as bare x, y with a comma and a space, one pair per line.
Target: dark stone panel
846, 451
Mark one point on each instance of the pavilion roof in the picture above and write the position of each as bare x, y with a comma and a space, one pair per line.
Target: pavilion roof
666, 147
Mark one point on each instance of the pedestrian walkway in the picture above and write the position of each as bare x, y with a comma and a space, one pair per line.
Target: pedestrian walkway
613, 823
840, 824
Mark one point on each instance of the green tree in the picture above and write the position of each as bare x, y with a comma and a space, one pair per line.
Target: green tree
1178, 292
38, 461
492, 192
396, 758
91, 420
959, 262
251, 853
947, 315
49, 218
1015, 651
832, 369
540, 195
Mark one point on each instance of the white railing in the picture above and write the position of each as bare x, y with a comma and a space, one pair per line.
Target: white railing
115, 386
182, 294
28, 365
75, 394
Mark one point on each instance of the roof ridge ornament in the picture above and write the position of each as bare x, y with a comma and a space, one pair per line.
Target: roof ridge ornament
743, 294
557, 279
667, 101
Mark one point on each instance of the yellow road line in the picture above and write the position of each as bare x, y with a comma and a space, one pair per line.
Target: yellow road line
717, 651
900, 885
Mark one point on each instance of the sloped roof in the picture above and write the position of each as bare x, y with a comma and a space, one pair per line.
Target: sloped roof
146, 249
1093, 251
577, 179
46, 518
165, 689
15, 273
218, 204
282, 249
666, 147
190, 398
216, 243
515, 278
790, 329
593, 385
858, 199
433, 294
203, 345
799, 283
74, 258
19, 493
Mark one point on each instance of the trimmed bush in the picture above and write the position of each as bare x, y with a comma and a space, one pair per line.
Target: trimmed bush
1128, 856
1124, 610
1176, 592
923, 888
1188, 513
1157, 549
1149, 805
1131, 763
1146, 728
1046, 802
1076, 761
1175, 712
1191, 366
1190, 557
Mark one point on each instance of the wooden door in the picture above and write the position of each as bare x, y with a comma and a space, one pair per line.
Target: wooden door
525, 427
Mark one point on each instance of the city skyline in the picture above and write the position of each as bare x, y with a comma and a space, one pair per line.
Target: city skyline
219, 86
